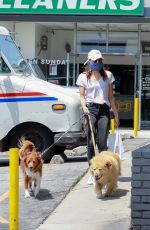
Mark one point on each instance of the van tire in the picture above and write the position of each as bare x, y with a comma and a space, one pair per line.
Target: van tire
42, 137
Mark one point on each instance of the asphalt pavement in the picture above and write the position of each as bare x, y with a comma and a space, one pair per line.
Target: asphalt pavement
57, 181
82, 210
66, 202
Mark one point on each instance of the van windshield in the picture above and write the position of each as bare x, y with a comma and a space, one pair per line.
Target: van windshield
13, 55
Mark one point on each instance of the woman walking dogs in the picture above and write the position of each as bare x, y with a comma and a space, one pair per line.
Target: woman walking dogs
96, 95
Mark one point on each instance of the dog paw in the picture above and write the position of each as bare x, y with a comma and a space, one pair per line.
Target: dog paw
108, 194
99, 197
27, 194
36, 193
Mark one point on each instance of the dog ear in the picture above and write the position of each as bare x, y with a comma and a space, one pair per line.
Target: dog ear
39, 158
108, 164
24, 159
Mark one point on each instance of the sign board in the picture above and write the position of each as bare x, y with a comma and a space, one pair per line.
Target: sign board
78, 7
124, 106
146, 82
52, 69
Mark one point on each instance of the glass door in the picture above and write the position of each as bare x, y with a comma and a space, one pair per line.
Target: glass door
145, 90
124, 69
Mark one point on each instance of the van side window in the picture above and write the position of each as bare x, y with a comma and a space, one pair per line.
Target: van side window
3, 67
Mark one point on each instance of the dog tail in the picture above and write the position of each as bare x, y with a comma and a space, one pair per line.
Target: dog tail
119, 162
20, 141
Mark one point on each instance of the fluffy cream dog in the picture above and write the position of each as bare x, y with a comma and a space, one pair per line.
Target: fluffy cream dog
105, 169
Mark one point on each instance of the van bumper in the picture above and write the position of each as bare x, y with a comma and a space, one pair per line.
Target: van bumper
70, 138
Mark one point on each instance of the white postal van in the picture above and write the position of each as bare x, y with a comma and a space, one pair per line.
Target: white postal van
34, 108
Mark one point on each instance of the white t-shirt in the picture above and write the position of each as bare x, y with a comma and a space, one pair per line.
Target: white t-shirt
96, 91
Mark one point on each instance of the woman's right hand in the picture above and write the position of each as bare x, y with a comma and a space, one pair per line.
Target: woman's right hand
86, 110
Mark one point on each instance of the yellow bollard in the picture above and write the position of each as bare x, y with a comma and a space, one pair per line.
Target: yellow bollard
14, 189
112, 125
136, 116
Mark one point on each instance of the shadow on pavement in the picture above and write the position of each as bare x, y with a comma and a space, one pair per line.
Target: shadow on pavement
44, 194
116, 195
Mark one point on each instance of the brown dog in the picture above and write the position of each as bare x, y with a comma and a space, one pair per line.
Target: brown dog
105, 169
31, 164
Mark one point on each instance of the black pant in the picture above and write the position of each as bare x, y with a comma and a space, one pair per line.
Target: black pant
100, 119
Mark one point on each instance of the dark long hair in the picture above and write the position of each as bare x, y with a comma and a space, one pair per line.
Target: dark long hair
89, 73
103, 73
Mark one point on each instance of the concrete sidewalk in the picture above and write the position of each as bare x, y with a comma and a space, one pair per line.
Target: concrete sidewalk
82, 210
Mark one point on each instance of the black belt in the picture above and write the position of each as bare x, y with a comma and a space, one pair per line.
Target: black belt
95, 104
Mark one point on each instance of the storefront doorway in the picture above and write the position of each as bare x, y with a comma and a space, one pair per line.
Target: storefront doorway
145, 90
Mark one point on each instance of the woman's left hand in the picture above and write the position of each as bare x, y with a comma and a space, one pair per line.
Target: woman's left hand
117, 122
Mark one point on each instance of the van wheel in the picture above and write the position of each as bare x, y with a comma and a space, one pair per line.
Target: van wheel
39, 135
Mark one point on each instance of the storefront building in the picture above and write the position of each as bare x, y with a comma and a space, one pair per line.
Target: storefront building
58, 34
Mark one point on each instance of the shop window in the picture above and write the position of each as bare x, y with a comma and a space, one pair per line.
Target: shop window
87, 40
145, 47
124, 79
123, 42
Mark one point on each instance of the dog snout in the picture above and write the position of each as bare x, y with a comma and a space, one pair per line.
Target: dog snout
31, 167
96, 177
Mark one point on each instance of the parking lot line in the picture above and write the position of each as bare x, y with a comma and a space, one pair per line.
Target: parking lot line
4, 196
3, 221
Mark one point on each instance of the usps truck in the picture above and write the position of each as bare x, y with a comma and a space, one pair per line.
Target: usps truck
31, 107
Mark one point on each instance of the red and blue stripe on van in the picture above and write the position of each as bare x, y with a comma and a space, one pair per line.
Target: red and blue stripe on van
25, 97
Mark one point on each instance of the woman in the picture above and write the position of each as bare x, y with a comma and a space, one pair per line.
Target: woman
96, 95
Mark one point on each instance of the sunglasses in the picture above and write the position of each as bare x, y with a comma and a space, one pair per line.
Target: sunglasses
98, 60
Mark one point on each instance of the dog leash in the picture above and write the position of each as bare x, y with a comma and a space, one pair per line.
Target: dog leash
92, 133
47, 149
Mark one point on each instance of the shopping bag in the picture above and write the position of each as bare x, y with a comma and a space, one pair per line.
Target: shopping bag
115, 144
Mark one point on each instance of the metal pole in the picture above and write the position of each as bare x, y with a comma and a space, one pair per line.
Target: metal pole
140, 89
14, 189
107, 37
74, 52
140, 74
112, 125
136, 115
77, 64
68, 61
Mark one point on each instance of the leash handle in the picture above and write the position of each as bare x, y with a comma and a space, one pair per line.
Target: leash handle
92, 133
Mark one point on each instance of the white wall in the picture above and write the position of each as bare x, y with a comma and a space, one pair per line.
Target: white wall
147, 3
58, 42
25, 38
8, 25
